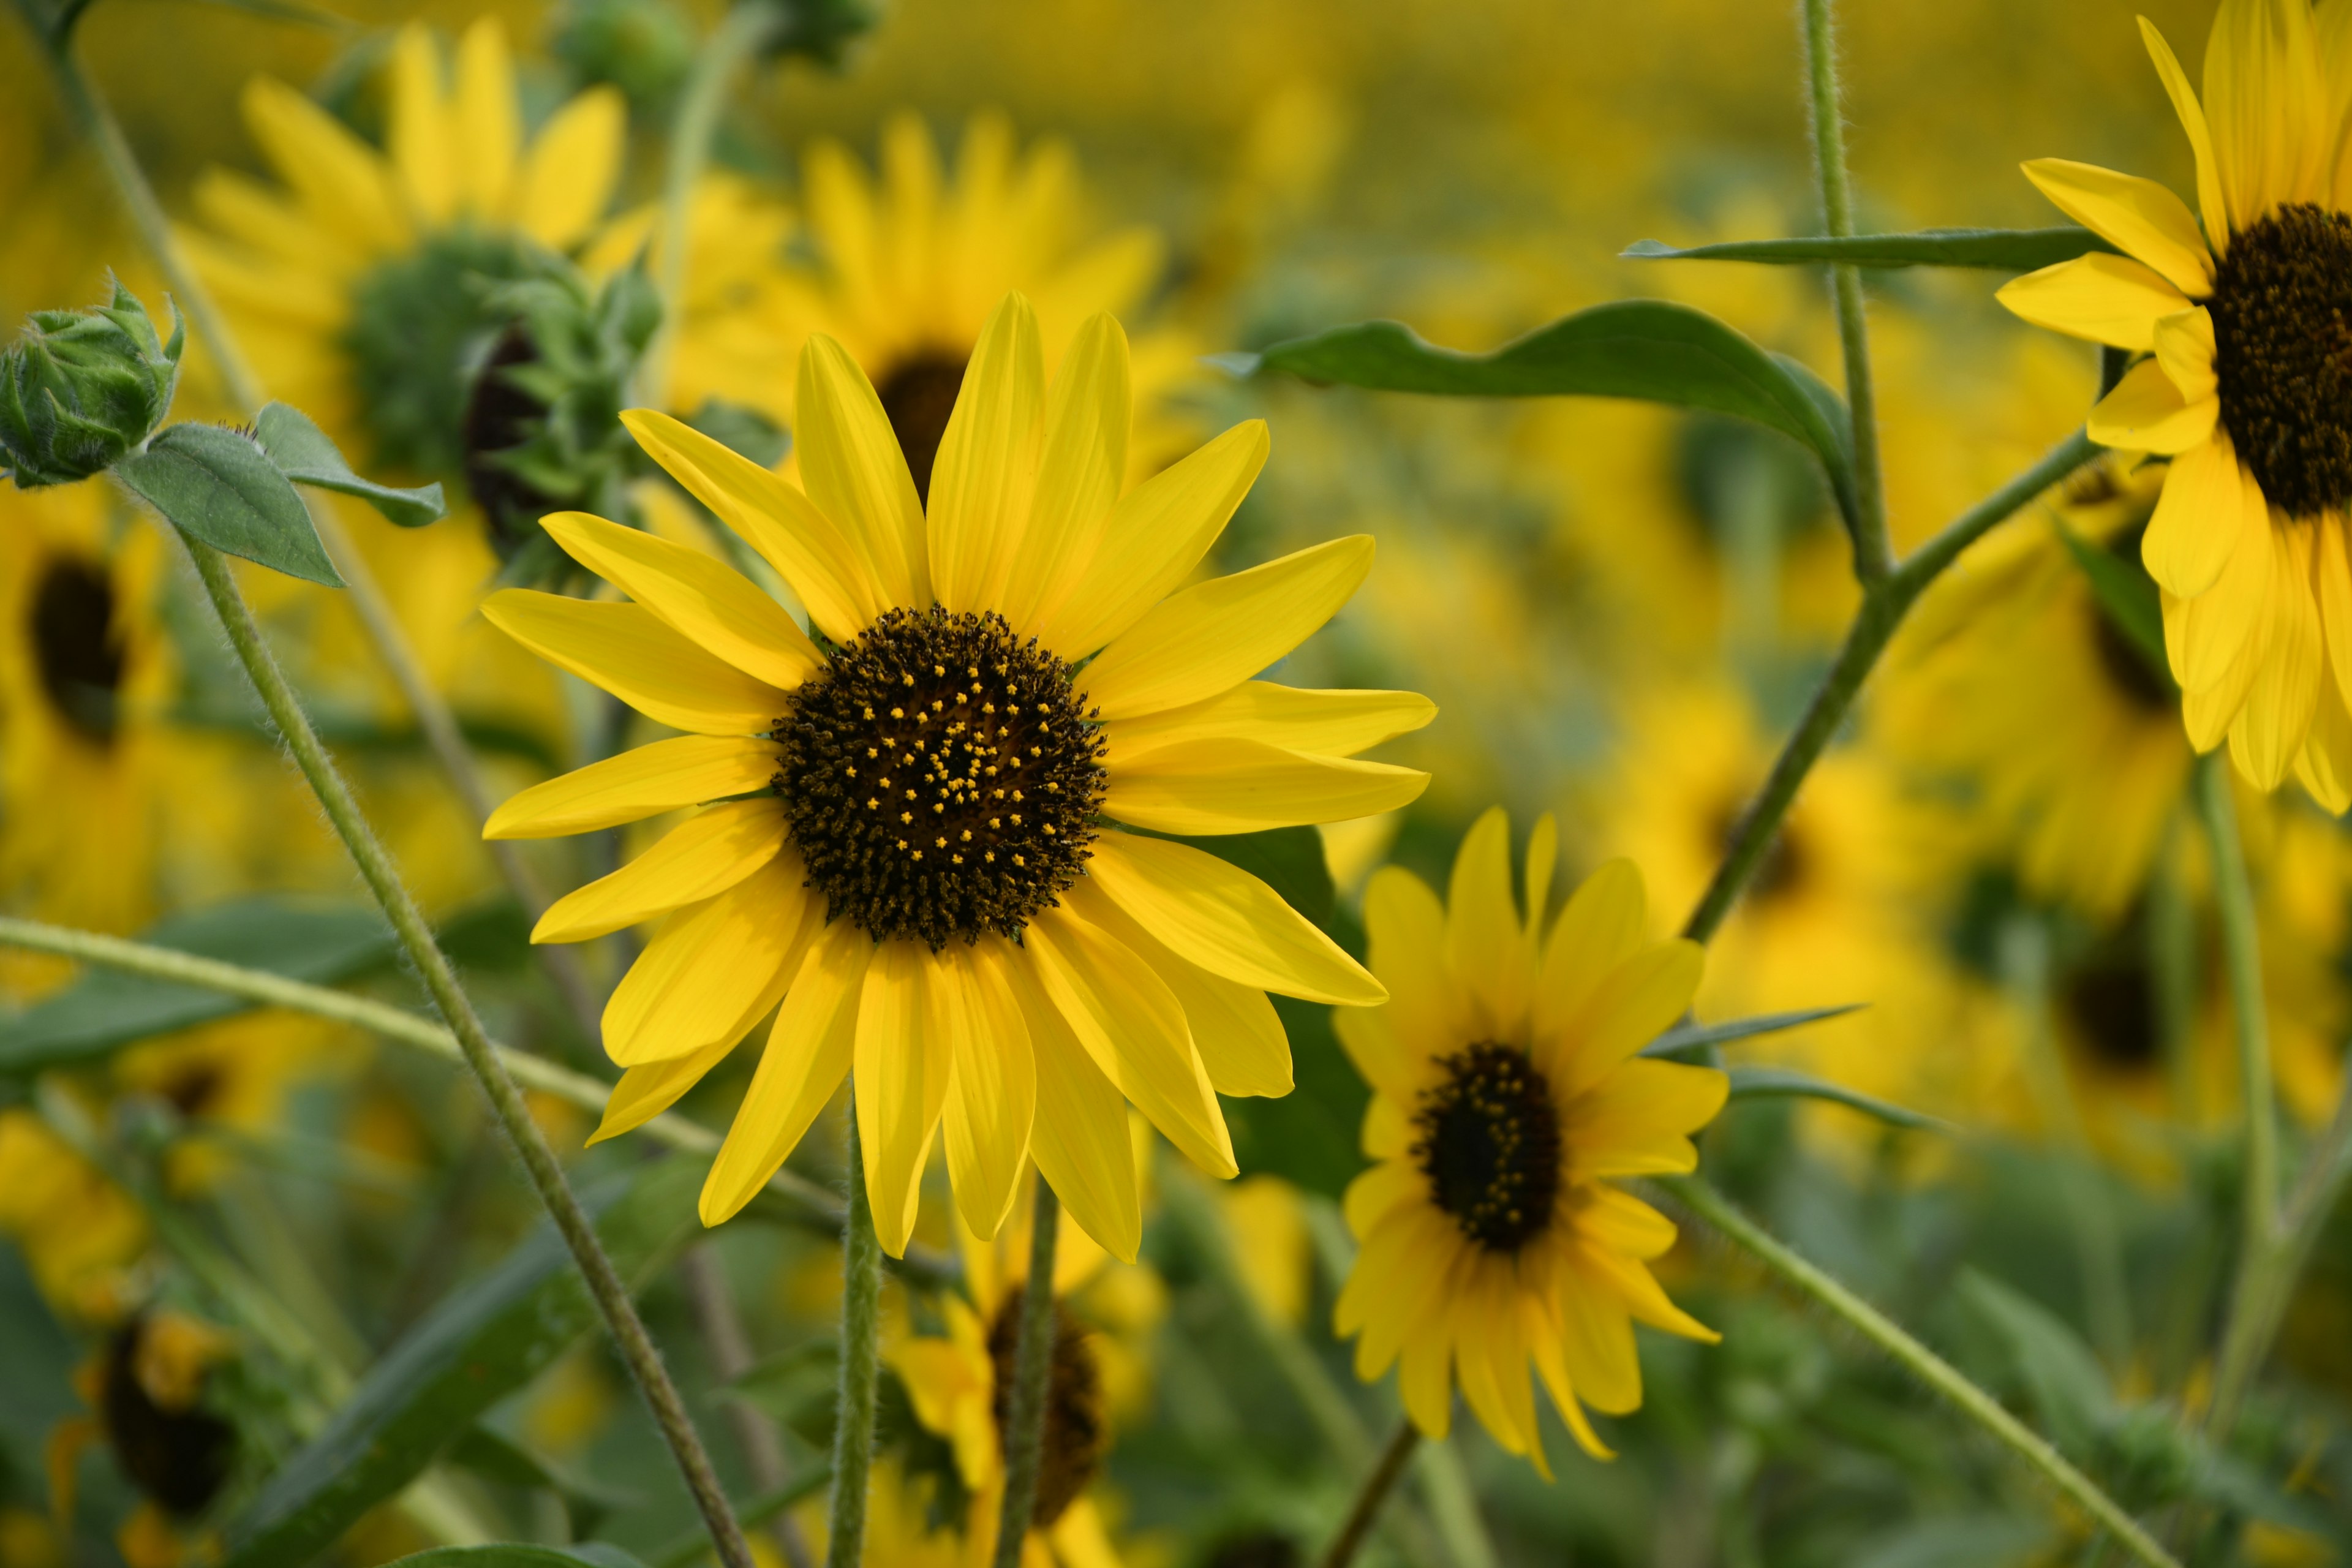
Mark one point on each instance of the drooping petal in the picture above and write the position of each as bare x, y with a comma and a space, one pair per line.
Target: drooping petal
1213, 636
694, 982
1234, 1028
855, 471
2197, 521
2210, 200
1080, 471
699, 858
709, 603
1321, 723
1079, 1137
901, 1085
2271, 730
644, 1092
487, 120
567, 177
2146, 413
641, 783
1246, 786
2110, 300
1628, 1010
987, 465
1380, 1192
1483, 944
2142, 217
992, 1079
1597, 1344
1216, 915
628, 651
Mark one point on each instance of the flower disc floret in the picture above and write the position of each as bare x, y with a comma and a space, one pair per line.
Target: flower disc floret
941, 778
1490, 1145
2283, 353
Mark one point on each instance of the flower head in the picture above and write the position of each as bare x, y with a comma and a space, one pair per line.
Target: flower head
80, 388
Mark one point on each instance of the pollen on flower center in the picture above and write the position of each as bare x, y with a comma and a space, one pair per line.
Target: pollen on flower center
941, 778
2282, 310
1490, 1145
74, 650
1076, 1432
917, 396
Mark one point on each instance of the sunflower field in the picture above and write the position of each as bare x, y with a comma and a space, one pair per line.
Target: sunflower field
1038, 784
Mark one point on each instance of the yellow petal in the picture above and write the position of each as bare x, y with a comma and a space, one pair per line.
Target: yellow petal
695, 981
1156, 534
2224, 629
1216, 915
487, 120
808, 1055
1639, 1290
2332, 572
2146, 219
704, 600
1080, 468
1486, 1328
1621, 1222
1325, 723
2110, 300
992, 1080
699, 858
2184, 347
1543, 859
1380, 1191
2210, 200
2324, 768
854, 472
418, 136
260, 217
1215, 634
1544, 1349
1604, 925
338, 176
1243, 786
2270, 732
1079, 1137
2263, 100
827, 568
568, 176
644, 1092
1636, 1121
1405, 929
2333, 25
1482, 927
638, 784
1234, 1028
1134, 1027
2197, 520
1597, 1345
2146, 413
1628, 1010
987, 463
901, 1085
625, 650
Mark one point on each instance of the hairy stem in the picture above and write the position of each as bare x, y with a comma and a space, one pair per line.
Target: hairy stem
457, 1009
861, 1368
1924, 1363
1374, 1492
1033, 1374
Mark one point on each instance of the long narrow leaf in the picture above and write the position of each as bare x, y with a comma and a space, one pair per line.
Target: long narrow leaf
1684, 1039
1760, 1083
1987, 249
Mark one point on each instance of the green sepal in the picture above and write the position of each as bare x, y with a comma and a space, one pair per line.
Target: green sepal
1983, 250
304, 454
80, 389
214, 484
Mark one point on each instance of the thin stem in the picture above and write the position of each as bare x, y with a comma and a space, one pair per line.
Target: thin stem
705, 1278
861, 1365
1884, 605
1374, 1492
1922, 1362
457, 1009
1033, 1371
2171, 937
1873, 552
758, 1510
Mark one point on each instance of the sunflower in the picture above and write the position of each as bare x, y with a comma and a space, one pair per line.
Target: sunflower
232, 1078
2015, 677
2247, 388
919, 838
1506, 1094
144, 1394
78, 1232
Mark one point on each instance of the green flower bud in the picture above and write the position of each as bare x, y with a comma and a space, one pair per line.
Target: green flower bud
645, 48
822, 30
80, 388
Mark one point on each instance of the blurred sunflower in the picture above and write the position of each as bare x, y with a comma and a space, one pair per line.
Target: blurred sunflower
2014, 678
144, 1393
78, 1232
1506, 1095
991, 955
2248, 385
231, 1077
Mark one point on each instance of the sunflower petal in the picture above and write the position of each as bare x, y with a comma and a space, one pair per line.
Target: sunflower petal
2146, 413
2185, 348
2142, 217
628, 651
1597, 1344
2263, 100
854, 472
1084, 462
418, 133
699, 858
2196, 524
901, 1085
2333, 573
2225, 629
992, 1082
1234, 1028
644, 1092
567, 177
1321, 723
1604, 924
1637, 1120
1628, 1010
693, 983
2276, 721
1079, 1139
486, 120
337, 175
2110, 300
643, 782
703, 600
987, 465
2210, 200
1404, 929
1245, 787
1482, 927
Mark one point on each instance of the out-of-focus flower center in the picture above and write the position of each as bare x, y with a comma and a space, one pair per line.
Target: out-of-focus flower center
1788, 861
1490, 1145
74, 649
919, 393
941, 778
2282, 311
179, 1457
1076, 1432
2111, 1003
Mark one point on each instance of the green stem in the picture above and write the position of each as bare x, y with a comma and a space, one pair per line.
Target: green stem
432, 966
1873, 552
1033, 1377
758, 1510
2171, 937
1884, 605
1924, 1363
704, 1275
861, 1367
1368, 1497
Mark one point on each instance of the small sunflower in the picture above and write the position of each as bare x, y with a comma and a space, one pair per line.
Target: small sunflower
2247, 388
1507, 1094
78, 1232
144, 1394
231, 1077
918, 842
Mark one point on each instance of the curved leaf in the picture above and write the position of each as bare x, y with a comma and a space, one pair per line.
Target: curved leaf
1989, 250
214, 484
1649, 350
304, 454
1684, 1039
1759, 1083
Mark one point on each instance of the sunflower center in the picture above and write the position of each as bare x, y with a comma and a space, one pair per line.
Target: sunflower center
2282, 311
918, 395
74, 650
2111, 1002
1782, 870
179, 1457
499, 417
941, 778
1490, 1145
1076, 1435
420, 324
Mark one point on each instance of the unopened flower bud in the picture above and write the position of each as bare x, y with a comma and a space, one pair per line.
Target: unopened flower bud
80, 388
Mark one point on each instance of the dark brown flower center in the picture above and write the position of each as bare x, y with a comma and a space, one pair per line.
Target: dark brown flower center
1076, 1434
1782, 872
2111, 1002
919, 393
179, 1457
2282, 310
1490, 1145
941, 778
74, 647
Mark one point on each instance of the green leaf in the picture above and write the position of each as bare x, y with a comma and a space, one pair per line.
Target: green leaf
301, 939
2068, 1386
2127, 597
215, 485
1309, 1136
1958, 1540
1290, 860
486, 1451
1650, 349
1769, 1083
1685, 1039
479, 1345
1987, 250
303, 453
521, 1554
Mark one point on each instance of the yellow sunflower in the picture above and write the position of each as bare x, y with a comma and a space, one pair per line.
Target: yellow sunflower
2013, 677
78, 1232
2247, 389
919, 843
231, 1078
1506, 1095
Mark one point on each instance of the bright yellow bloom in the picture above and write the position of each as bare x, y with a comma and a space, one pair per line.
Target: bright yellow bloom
2247, 384
908, 849
1507, 1094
